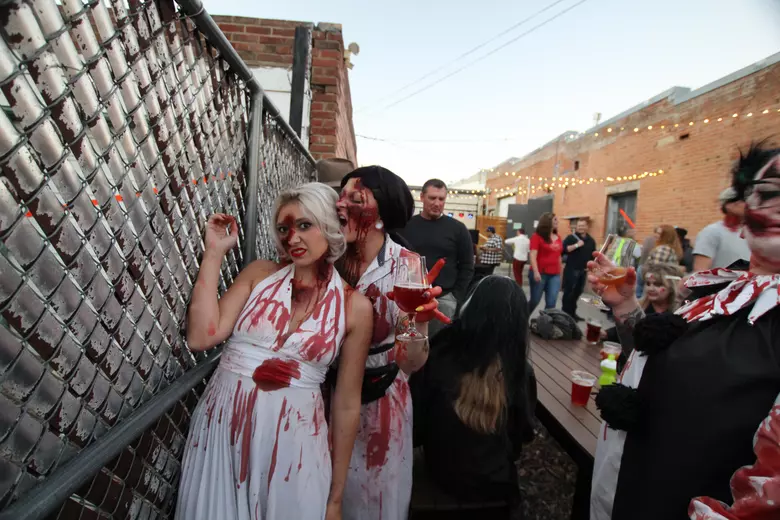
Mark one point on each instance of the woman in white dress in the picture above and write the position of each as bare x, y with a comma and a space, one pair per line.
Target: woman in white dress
258, 441
374, 201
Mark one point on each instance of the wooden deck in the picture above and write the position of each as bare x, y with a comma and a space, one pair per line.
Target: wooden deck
576, 428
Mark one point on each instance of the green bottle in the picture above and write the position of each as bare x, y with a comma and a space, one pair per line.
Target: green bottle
608, 371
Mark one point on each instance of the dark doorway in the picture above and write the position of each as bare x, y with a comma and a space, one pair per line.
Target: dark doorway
526, 215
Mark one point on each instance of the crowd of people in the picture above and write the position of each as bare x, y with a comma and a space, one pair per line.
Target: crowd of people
318, 404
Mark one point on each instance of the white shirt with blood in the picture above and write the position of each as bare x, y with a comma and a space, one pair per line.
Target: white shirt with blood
379, 481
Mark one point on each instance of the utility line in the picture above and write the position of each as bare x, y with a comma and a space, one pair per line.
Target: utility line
469, 64
465, 54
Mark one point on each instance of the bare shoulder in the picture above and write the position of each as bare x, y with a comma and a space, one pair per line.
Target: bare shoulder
358, 306
258, 271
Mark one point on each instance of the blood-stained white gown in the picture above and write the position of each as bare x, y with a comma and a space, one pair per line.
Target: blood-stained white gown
258, 441
379, 481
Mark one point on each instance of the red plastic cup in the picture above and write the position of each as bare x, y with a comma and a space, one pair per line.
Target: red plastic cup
581, 386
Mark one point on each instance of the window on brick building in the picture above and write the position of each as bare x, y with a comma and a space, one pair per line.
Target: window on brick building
576, 165
624, 201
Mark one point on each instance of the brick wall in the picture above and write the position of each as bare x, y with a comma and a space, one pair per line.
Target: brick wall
695, 159
269, 43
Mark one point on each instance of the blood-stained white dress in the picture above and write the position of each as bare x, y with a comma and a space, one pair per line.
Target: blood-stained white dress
258, 441
379, 481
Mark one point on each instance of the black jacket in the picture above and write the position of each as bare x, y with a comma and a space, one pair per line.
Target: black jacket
463, 462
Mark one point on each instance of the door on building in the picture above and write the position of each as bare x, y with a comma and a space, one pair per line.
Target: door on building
624, 201
503, 205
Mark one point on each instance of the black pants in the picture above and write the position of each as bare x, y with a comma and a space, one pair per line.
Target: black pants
573, 285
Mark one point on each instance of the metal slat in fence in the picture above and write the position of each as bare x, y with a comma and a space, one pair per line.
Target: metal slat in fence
124, 126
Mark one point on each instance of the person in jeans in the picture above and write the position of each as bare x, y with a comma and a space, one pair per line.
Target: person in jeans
579, 249
546, 251
435, 236
521, 244
492, 251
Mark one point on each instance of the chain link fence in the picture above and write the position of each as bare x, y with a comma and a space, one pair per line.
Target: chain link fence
124, 125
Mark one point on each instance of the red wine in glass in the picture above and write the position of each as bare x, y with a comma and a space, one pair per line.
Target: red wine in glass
409, 297
409, 287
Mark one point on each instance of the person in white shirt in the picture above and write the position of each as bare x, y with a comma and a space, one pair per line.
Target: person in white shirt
521, 244
721, 244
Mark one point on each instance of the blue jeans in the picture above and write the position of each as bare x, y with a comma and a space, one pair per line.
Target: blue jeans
640, 285
550, 285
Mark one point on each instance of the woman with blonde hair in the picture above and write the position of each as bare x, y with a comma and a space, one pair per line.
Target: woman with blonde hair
668, 249
258, 441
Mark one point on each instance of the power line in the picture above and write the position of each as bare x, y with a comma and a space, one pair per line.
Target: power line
385, 140
469, 64
467, 53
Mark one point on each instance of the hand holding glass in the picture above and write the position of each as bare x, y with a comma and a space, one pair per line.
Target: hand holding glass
619, 255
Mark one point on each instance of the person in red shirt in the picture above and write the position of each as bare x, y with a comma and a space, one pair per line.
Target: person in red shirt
546, 250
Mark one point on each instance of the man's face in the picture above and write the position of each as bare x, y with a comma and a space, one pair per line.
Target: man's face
582, 227
433, 201
762, 216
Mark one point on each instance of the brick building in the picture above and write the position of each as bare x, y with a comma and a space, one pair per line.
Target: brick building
267, 47
663, 162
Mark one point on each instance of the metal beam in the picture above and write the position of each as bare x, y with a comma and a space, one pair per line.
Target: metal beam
300, 73
249, 252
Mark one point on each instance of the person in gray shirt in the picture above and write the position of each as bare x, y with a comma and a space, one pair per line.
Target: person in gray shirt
720, 243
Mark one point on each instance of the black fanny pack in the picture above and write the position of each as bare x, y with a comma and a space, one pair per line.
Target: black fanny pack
376, 381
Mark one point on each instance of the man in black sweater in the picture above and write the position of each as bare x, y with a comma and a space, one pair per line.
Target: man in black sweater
435, 236
578, 248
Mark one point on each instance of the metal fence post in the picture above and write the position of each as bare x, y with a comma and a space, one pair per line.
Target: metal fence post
253, 178
300, 73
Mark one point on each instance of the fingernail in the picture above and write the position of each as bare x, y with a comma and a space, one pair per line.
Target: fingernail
419, 309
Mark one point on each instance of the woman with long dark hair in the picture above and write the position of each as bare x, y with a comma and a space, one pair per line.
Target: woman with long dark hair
546, 263
258, 445
474, 404
374, 203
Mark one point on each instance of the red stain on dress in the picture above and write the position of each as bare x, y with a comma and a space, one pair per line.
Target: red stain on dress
379, 439
265, 304
316, 420
300, 460
380, 304
276, 373
324, 341
241, 426
276, 443
289, 470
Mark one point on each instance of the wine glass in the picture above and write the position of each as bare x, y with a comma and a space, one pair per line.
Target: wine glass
620, 252
409, 288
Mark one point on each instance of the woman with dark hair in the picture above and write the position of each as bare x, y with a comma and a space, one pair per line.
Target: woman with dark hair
546, 263
258, 445
375, 203
474, 405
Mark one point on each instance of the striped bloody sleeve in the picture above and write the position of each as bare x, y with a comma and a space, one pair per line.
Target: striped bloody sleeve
756, 488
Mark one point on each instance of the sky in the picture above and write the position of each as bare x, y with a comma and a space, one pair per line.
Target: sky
592, 56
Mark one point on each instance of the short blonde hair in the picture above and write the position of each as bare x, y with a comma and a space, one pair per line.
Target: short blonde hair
318, 203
